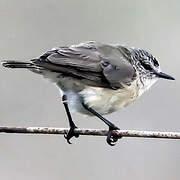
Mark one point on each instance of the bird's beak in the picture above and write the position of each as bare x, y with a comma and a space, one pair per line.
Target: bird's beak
163, 75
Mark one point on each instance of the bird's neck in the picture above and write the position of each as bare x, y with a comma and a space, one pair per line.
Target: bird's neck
145, 83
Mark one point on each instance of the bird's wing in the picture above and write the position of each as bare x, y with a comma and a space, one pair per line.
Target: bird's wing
97, 64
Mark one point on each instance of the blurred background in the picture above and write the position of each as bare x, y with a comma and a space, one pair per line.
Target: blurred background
29, 28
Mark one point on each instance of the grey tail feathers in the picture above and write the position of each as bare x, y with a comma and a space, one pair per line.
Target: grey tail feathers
17, 64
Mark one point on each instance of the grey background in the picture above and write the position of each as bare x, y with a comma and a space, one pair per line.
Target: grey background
27, 29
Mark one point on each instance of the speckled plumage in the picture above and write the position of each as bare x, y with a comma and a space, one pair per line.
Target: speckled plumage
105, 77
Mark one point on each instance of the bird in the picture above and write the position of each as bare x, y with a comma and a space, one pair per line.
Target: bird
95, 78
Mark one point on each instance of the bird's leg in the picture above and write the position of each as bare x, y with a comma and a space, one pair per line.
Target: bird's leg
111, 139
71, 132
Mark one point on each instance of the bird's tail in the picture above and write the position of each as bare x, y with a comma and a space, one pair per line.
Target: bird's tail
17, 64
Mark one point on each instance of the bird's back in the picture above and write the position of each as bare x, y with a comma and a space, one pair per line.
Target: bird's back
96, 64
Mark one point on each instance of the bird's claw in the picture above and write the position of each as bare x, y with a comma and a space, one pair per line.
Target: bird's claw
71, 134
111, 138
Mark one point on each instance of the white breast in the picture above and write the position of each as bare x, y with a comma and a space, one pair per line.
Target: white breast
106, 101
103, 100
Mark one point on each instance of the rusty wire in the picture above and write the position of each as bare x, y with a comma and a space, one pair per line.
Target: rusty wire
92, 132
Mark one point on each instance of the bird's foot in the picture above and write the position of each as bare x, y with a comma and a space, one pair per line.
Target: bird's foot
111, 138
71, 134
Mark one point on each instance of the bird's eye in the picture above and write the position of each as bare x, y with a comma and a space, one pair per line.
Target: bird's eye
155, 62
146, 66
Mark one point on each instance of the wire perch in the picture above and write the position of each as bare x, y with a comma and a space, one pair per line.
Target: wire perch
92, 132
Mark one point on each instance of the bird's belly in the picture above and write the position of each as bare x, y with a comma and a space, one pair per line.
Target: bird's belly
103, 100
106, 101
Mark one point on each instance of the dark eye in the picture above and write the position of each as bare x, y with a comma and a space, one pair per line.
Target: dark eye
155, 62
146, 66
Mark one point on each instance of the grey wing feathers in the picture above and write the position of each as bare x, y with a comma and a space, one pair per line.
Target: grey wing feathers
83, 59
101, 65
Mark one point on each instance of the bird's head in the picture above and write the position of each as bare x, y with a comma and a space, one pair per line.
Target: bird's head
147, 66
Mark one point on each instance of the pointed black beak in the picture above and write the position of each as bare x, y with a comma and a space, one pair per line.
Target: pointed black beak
164, 76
